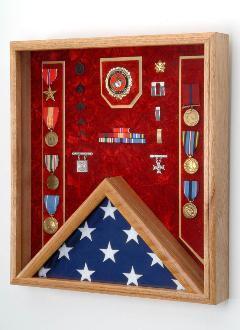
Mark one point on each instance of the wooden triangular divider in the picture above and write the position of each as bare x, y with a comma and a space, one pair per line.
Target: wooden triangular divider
148, 226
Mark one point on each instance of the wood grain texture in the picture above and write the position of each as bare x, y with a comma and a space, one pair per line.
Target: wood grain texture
218, 168
216, 178
120, 41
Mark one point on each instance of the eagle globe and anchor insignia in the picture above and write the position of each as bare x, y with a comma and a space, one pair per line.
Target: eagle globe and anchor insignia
118, 82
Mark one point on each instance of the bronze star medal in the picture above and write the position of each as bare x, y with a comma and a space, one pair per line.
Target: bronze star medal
49, 94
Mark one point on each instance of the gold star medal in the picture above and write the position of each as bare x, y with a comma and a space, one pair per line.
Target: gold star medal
49, 94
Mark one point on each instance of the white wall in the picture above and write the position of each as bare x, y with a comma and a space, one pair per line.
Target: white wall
33, 308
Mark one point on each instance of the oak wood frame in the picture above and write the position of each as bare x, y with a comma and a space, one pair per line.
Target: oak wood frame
216, 158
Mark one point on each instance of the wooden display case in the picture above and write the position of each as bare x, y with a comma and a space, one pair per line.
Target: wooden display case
200, 266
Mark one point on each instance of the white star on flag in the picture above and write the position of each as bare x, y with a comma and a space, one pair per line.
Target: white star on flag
86, 273
155, 259
109, 253
132, 235
178, 284
109, 210
64, 251
43, 272
86, 231
132, 277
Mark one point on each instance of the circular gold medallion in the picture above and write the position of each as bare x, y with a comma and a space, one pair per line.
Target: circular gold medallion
189, 210
52, 182
191, 165
191, 117
50, 225
51, 139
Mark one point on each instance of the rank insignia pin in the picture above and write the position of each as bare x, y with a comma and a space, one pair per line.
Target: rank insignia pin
82, 164
159, 167
160, 66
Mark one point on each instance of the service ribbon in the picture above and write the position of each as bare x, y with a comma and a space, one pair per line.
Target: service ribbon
190, 95
50, 116
51, 162
51, 203
190, 189
49, 75
190, 141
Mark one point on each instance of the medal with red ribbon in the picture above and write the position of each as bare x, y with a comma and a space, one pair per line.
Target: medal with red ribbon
49, 75
50, 117
190, 100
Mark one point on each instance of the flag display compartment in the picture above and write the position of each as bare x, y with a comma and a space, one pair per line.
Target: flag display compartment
214, 190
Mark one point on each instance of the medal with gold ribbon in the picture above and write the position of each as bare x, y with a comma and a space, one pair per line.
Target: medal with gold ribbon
49, 75
190, 95
190, 189
51, 162
190, 142
50, 224
50, 117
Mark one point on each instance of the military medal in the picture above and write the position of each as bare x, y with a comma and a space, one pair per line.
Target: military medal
118, 82
51, 162
159, 167
191, 117
190, 96
50, 117
190, 142
82, 163
190, 191
50, 224
158, 88
49, 75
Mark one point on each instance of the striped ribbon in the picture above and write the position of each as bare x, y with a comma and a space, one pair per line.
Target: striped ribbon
190, 141
51, 162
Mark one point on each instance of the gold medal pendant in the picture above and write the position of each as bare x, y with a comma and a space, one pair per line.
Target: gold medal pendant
52, 182
191, 117
191, 165
51, 139
189, 210
50, 225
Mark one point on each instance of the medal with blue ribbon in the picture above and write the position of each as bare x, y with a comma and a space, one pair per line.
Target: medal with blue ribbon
51, 162
190, 189
190, 143
50, 224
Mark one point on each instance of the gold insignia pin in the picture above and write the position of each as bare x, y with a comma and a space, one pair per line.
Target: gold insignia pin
160, 66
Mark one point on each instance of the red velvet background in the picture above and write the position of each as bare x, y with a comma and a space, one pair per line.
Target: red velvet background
160, 192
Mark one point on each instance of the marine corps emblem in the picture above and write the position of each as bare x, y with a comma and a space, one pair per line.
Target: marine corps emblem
118, 82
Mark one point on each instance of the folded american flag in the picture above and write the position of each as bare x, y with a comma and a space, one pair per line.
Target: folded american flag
105, 248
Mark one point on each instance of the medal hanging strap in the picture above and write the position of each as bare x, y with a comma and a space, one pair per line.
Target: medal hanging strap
51, 203
191, 189
190, 142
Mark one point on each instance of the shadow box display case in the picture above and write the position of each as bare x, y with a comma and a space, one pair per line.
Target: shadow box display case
120, 165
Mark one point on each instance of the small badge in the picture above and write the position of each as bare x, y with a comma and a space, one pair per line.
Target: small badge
159, 167
82, 164
49, 75
160, 66
159, 135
